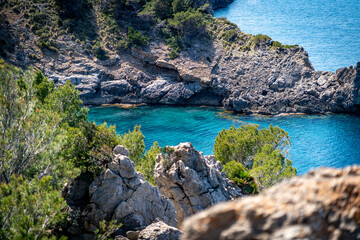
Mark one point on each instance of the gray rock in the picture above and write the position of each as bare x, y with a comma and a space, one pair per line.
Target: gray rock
119, 194
121, 150
323, 204
132, 235
160, 231
156, 90
116, 88
191, 181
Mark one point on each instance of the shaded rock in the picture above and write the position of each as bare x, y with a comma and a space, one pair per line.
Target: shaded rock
160, 231
132, 235
119, 194
180, 92
143, 56
191, 181
156, 90
323, 204
116, 88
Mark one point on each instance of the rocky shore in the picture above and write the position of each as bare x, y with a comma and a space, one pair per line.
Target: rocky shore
323, 204
261, 81
219, 67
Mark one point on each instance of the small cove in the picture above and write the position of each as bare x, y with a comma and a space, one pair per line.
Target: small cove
329, 140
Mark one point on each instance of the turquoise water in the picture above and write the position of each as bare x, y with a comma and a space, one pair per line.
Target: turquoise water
332, 140
329, 30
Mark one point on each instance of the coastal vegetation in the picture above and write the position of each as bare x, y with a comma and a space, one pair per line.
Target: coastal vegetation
261, 153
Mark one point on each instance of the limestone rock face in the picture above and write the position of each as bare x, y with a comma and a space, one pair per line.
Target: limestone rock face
192, 181
119, 193
159, 231
323, 204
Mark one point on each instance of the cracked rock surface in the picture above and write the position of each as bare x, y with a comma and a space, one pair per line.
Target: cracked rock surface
193, 182
120, 193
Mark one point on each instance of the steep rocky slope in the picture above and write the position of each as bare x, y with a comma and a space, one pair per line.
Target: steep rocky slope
219, 65
323, 204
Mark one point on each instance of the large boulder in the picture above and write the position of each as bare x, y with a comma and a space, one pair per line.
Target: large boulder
193, 182
120, 193
323, 204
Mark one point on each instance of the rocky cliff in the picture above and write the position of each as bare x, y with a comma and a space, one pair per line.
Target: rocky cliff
218, 65
323, 204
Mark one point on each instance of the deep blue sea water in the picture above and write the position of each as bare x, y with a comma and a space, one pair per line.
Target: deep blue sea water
331, 140
329, 30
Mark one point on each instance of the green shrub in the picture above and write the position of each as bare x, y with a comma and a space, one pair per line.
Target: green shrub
99, 51
180, 5
276, 44
290, 46
27, 127
47, 45
261, 150
241, 176
173, 54
106, 229
28, 209
271, 167
136, 38
229, 36
147, 164
134, 142
188, 22
241, 144
43, 87
90, 146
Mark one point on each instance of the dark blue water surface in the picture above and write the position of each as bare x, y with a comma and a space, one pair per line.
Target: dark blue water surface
329, 30
331, 140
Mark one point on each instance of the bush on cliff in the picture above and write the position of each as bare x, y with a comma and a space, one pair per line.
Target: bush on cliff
261, 150
241, 176
147, 164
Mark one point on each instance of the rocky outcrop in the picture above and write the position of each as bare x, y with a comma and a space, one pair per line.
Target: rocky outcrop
120, 194
323, 204
193, 182
159, 231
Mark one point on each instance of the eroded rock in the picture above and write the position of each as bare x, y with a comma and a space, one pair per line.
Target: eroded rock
191, 181
120, 194
323, 204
